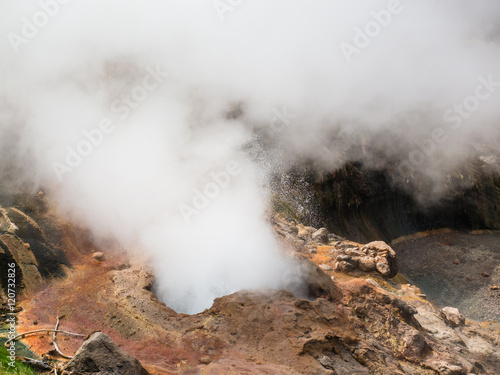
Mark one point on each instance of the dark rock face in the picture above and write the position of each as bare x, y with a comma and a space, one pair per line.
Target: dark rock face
364, 204
14, 250
99, 355
25, 242
50, 259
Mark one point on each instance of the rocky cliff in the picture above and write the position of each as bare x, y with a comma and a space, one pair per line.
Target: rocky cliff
366, 204
357, 314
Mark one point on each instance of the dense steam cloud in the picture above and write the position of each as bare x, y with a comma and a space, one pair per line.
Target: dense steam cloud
136, 117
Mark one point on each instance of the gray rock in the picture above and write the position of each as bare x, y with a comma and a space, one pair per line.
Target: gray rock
325, 267
354, 252
453, 317
99, 355
344, 266
380, 247
305, 232
383, 269
100, 257
342, 245
367, 264
334, 237
321, 236
344, 258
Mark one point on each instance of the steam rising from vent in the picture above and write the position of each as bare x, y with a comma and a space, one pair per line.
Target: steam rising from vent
140, 119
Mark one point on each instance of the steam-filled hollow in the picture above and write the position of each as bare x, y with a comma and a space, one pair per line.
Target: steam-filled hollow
174, 131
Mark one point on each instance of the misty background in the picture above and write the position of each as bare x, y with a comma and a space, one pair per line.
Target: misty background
224, 78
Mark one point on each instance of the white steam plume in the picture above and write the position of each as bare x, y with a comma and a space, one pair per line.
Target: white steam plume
153, 84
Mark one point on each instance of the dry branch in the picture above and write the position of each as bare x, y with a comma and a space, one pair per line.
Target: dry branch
21, 335
55, 342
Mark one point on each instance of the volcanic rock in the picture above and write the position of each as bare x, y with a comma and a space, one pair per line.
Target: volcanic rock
304, 232
321, 236
354, 252
100, 257
367, 264
99, 355
453, 317
383, 269
374, 257
386, 255
344, 266
325, 267
344, 258
380, 247
334, 237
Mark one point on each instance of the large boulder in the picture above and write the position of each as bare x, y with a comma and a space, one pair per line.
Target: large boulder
385, 256
99, 355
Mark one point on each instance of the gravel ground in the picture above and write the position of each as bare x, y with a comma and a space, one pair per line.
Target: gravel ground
456, 269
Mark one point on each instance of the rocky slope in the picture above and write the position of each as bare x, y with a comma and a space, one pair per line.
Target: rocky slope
352, 319
455, 269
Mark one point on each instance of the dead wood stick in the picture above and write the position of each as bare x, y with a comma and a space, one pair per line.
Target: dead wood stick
54, 334
21, 335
